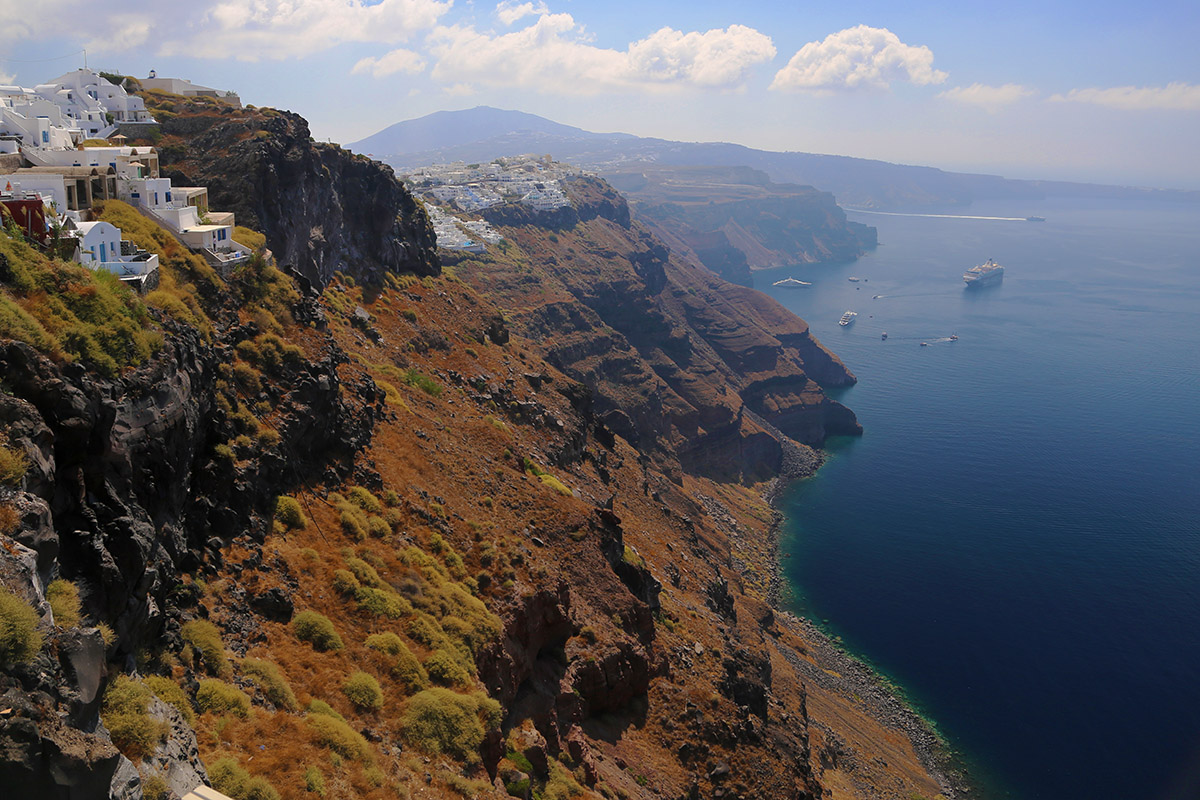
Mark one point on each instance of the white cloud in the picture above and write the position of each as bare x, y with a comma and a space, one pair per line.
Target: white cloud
859, 57
254, 30
554, 55
398, 60
713, 58
1176, 96
510, 11
990, 98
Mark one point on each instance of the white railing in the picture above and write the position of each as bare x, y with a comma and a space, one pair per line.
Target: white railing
127, 269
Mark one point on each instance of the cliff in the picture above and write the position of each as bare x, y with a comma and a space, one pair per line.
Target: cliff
674, 355
736, 219
322, 208
492, 532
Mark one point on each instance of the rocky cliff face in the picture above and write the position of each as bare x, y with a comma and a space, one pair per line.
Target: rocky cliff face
734, 220
674, 354
525, 500
322, 209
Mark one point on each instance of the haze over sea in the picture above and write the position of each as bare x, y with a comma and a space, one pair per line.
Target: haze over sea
1016, 538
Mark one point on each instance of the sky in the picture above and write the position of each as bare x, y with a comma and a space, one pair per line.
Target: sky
1097, 91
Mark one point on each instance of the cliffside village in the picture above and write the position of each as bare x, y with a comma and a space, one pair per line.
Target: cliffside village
530, 180
62, 150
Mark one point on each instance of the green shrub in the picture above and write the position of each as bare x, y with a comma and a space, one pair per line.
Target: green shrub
13, 462
378, 526
344, 582
363, 691
355, 525
314, 781
446, 669
317, 630
428, 385
205, 638
20, 639
133, 730
339, 737
363, 498
405, 668
172, 694
63, 597
289, 512
382, 603
230, 778
442, 721
154, 787
220, 697
318, 706
365, 573
266, 676
247, 378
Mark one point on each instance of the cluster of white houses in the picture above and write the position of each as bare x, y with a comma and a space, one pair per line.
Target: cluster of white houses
530, 179
51, 175
472, 236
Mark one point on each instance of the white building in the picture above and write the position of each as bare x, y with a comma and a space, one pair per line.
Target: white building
31, 121
188, 89
101, 247
92, 104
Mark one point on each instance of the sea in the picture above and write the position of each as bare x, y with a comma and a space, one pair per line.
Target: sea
1015, 538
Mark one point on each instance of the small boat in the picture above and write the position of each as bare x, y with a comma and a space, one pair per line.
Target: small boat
1035, 219
847, 318
885, 336
924, 344
954, 337
854, 280
791, 283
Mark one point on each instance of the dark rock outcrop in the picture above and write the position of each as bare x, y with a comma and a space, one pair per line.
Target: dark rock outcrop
322, 208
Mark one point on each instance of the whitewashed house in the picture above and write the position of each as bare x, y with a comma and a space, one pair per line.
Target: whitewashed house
188, 89
92, 103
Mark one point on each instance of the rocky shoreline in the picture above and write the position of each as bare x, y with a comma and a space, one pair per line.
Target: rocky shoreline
836, 670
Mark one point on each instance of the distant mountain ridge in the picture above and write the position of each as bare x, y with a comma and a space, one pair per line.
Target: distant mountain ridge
444, 129
483, 133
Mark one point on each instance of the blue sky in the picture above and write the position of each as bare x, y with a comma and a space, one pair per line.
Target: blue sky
1098, 91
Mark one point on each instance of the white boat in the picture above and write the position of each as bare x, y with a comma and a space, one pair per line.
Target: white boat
985, 273
847, 318
791, 283
855, 280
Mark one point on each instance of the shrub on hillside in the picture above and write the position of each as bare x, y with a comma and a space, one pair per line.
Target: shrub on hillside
404, 666
363, 691
446, 669
13, 462
266, 676
133, 730
63, 597
335, 734
289, 512
442, 721
20, 639
172, 694
219, 697
230, 778
205, 638
317, 630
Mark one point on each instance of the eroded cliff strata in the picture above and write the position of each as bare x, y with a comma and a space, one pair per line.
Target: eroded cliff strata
525, 499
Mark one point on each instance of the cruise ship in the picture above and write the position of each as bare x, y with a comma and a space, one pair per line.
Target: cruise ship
847, 318
984, 274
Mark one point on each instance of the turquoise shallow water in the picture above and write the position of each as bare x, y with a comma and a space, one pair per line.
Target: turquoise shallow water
1016, 537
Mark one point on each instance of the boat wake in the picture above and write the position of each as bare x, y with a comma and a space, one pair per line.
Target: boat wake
935, 216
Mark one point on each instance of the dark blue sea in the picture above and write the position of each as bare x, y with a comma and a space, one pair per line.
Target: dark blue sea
1015, 539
